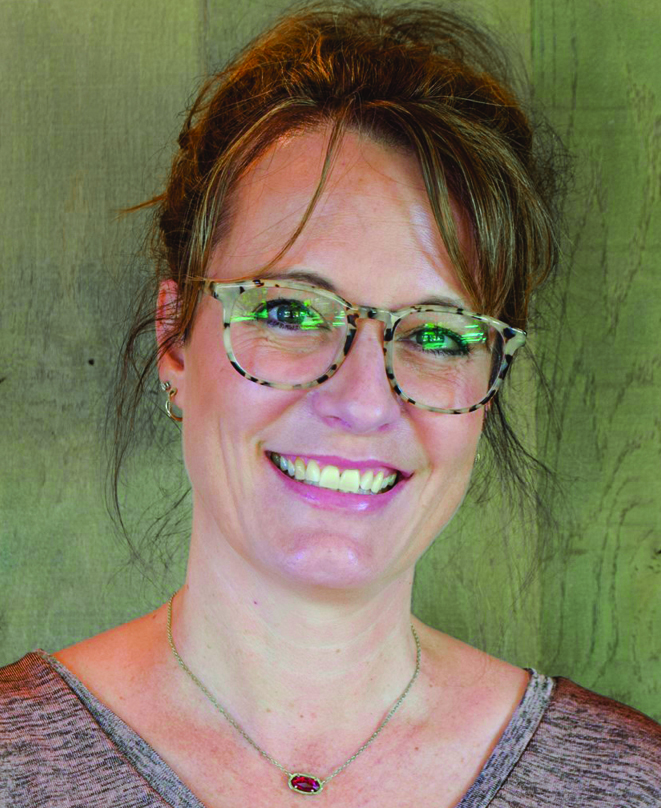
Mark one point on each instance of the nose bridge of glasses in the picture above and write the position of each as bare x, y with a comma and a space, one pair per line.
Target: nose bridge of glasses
384, 316
372, 313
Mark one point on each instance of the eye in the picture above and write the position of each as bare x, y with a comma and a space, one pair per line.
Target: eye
434, 339
289, 314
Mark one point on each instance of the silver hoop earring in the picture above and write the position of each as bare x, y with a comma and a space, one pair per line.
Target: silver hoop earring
166, 387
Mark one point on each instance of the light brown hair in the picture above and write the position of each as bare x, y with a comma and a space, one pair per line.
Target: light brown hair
420, 78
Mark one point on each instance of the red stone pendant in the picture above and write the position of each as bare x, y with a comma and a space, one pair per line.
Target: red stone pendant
304, 783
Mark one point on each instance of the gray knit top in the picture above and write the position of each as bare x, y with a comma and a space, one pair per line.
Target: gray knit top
564, 747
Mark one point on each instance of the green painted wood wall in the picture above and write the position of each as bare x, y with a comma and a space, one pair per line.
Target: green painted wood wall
91, 96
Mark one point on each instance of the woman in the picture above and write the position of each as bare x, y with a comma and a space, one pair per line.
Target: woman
345, 195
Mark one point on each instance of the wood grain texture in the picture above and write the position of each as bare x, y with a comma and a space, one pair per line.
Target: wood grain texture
90, 111
597, 71
90, 98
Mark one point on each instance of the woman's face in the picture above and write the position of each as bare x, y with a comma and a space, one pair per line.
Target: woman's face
373, 238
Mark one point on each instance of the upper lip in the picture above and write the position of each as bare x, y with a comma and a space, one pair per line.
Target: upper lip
347, 462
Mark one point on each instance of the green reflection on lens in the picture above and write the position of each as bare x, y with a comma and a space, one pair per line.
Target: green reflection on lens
431, 336
297, 313
314, 319
249, 316
477, 334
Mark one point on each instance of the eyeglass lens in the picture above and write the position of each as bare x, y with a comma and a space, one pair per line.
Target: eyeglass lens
290, 336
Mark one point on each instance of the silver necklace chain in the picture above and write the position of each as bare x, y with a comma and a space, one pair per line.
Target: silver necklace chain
256, 746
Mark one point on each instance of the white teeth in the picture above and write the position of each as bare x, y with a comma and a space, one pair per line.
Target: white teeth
330, 478
376, 485
312, 472
349, 480
366, 481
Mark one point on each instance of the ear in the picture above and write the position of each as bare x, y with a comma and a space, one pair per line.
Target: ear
171, 360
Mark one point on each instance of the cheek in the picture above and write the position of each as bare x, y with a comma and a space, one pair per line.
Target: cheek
212, 403
224, 413
451, 444
216, 395
453, 439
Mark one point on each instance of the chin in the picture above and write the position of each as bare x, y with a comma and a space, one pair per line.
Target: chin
329, 562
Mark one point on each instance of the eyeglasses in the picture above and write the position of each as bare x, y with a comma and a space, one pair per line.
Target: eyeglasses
292, 335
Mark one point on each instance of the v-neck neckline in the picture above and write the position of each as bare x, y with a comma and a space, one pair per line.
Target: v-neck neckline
156, 772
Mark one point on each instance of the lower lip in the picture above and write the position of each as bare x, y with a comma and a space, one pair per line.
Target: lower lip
327, 499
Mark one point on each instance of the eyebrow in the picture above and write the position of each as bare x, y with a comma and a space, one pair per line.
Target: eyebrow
310, 276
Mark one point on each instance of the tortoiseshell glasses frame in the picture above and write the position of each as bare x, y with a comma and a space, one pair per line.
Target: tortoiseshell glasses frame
228, 292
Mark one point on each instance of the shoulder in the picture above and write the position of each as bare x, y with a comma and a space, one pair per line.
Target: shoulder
38, 717
52, 750
589, 750
606, 726
30, 691
38, 711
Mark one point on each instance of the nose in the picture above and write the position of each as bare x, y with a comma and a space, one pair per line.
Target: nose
359, 398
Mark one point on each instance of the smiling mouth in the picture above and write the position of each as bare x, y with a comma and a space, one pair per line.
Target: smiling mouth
349, 481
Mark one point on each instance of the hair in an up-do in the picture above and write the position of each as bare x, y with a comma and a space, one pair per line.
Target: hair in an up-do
420, 78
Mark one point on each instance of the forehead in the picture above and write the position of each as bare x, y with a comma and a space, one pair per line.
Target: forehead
372, 232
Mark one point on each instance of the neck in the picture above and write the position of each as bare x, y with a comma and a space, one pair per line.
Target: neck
292, 666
